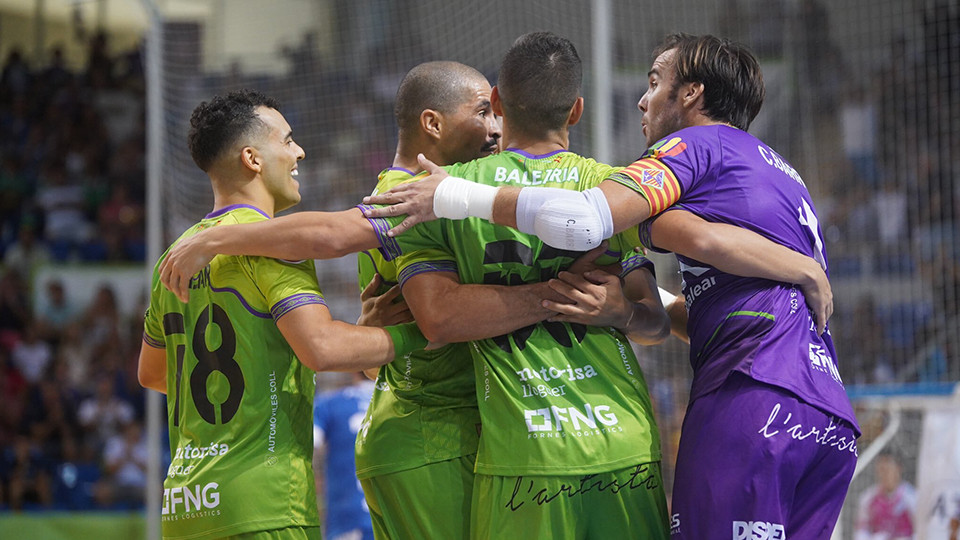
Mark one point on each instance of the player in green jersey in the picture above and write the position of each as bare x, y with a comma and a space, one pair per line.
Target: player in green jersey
237, 360
569, 447
421, 428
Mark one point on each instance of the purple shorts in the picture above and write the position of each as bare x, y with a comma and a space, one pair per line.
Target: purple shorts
757, 463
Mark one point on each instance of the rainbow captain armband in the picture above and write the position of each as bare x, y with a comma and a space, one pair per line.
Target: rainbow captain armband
407, 338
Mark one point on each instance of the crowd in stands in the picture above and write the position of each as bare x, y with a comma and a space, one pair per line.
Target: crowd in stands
71, 190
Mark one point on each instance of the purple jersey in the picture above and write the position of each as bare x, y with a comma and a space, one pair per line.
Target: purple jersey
758, 327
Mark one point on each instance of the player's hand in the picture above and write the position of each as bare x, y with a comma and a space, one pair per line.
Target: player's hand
383, 310
597, 298
587, 261
415, 199
182, 262
819, 297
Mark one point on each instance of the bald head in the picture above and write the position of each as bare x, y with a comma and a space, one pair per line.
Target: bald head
441, 86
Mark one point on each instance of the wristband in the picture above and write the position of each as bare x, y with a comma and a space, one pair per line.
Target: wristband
406, 339
456, 198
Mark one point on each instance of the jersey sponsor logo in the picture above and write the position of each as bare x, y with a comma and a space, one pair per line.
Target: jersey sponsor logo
553, 419
179, 470
783, 425
274, 405
559, 175
543, 390
758, 530
550, 373
547, 374
622, 349
189, 501
692, 292
820, 360
675, 524
199, 452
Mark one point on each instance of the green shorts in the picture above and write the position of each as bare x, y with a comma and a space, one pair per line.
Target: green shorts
432, 501
627, 503
287, 533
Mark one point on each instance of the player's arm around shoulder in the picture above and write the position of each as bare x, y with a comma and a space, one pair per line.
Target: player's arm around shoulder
742, 252
304, 235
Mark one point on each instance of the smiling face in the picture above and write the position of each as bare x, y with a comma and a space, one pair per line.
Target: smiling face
280, 155
661, 103
471, 130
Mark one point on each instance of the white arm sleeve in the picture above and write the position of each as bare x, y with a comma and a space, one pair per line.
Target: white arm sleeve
456, 198
565, 219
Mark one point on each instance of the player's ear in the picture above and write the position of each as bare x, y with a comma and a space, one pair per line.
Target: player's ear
692, 92
431, 122
495, 104
576, 112
251, 159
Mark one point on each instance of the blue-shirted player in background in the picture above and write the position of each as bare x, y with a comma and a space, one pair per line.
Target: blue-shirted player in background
337, 416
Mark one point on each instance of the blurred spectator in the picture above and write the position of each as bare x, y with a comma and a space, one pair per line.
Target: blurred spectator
14, 307
55, 75
867, 354
26, 475
16, 195
125, 459
75, 355
56, 313
16, 73
886, 509
13, 388
103, 415
101, 321
27, 253
858, 125
890, 204
50, 419
121, 223
64, 210
32, 355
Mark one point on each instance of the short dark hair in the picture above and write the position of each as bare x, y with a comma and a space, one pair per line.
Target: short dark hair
732, 81
440, 86
218, 124
539, 81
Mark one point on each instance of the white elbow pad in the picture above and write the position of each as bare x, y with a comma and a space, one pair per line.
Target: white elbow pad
564, 219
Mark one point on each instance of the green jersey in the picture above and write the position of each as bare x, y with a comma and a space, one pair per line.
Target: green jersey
239, 403
424, 407
555, 398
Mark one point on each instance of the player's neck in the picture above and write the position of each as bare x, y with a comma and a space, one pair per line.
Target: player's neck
538, 144
227, 194
406, 157
406, 162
